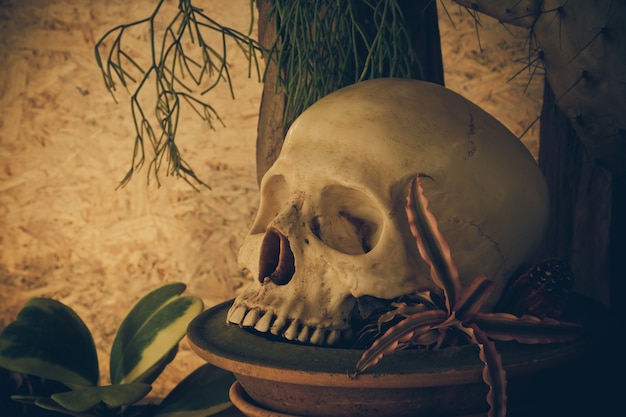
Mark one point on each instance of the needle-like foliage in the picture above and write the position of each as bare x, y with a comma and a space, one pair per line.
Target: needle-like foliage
186, 62
324, 45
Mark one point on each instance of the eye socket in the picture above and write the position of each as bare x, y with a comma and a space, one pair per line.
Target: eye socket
347, 220
274, 195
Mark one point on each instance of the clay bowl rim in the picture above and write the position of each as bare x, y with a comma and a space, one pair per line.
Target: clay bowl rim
247, 353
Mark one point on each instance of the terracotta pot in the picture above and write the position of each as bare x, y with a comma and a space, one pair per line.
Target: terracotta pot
279, 378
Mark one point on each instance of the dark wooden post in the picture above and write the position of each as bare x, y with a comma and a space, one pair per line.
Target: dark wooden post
586, 206
271, 129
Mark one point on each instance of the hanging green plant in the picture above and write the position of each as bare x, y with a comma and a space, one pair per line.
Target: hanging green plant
184, 66
325, 45
321, 46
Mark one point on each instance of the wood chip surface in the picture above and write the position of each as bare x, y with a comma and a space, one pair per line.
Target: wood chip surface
66, 232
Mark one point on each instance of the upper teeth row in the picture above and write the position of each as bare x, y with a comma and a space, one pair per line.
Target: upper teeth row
290, 329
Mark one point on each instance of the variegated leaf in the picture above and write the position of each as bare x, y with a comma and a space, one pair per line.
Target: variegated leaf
47, 403
84, 399
150, 331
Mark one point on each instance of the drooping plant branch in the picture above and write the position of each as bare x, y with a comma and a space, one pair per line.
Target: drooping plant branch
185, 64
426, 322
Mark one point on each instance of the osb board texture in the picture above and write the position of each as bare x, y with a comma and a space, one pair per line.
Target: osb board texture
66, 232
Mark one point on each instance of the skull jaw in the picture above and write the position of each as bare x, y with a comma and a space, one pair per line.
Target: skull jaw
309, 314
263, 308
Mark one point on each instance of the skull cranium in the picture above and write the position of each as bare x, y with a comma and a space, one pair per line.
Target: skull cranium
331, 226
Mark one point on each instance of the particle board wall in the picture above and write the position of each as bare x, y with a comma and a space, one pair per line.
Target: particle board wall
65, 230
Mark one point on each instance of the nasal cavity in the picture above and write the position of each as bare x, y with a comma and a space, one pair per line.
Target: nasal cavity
277, 262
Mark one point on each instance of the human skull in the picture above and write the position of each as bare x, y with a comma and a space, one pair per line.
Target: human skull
331, 228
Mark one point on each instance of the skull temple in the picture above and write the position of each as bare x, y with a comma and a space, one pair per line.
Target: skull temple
331, 228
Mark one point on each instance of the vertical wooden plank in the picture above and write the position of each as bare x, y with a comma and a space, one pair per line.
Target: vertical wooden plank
580, 203
271, 129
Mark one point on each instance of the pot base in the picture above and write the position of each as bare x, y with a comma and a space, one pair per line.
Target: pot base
246, 405
242, 401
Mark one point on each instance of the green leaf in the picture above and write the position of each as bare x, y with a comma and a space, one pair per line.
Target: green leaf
84, 399
152, 328
204, 392
151, 374
139, 314
49, 340
47, 404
